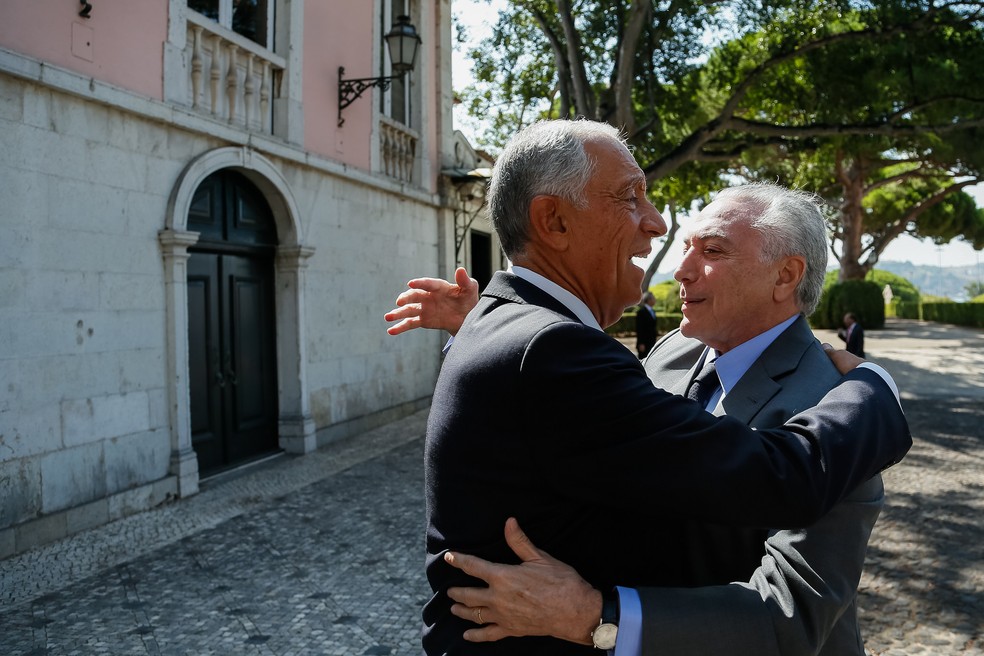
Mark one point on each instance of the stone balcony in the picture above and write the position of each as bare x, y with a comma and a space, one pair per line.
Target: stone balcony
230, 77
398, 148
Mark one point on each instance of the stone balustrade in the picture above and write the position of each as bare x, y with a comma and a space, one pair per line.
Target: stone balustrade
231, 78
398, 148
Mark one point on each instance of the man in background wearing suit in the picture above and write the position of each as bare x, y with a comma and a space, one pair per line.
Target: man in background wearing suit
853, 334
645, 324
538, 414
802, 585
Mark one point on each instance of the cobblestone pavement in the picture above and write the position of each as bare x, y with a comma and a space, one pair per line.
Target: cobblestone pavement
923, 587
323, 554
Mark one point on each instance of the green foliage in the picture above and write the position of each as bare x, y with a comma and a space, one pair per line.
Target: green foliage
978, 299
974, 289
902, 289
861, 297
665, 322
667, 295
812, 94
960, 314
908, 310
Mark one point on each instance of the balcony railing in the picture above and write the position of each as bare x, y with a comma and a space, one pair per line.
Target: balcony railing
231, 78
398, 148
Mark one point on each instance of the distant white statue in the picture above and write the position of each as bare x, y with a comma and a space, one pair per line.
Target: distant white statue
887, 294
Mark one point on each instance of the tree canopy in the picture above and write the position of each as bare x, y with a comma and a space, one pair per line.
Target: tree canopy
816, 91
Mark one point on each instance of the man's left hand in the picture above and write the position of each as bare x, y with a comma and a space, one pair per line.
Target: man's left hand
541, 596
844, 361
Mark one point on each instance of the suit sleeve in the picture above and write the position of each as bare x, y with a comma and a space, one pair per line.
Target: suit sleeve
621, 438
792, 602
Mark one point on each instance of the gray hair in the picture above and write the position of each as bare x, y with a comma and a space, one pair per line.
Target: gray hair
545, 158
791, 223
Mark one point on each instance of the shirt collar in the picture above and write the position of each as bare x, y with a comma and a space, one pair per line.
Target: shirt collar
567, 299
732, 365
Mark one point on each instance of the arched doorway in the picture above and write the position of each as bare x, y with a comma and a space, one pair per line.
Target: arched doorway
232, 361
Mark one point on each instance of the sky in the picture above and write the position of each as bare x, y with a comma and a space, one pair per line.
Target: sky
478, 16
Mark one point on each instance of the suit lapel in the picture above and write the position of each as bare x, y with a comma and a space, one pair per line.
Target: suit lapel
761, 382
671, 364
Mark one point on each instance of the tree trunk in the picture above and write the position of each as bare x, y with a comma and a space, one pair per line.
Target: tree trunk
639, 15
584, 98
852, 222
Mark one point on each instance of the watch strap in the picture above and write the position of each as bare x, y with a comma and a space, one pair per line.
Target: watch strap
609, 607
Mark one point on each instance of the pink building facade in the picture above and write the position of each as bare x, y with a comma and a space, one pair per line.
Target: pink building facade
197, 246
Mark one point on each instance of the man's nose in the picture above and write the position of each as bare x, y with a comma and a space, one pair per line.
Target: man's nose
685, 270
653, 222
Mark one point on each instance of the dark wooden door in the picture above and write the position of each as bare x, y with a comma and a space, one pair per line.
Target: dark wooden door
231, 334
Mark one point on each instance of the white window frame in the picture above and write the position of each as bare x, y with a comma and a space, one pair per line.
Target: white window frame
225, 19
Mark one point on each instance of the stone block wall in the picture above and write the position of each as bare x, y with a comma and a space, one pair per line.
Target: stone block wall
85, 433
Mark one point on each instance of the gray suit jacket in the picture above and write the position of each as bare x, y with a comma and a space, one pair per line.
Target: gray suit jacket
801, 598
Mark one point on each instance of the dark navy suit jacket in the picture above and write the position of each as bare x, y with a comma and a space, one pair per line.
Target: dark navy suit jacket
538, 416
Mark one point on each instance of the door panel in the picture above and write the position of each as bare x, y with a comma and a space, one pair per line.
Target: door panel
251, 371
231, 322
204, 369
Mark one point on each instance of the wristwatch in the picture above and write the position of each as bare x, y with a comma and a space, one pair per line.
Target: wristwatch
603, 637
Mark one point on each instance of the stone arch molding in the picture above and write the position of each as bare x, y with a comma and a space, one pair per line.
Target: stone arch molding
296, 426
260, 171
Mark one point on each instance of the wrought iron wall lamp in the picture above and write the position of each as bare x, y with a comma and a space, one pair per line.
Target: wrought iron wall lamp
402, 42
86, 9
470, 186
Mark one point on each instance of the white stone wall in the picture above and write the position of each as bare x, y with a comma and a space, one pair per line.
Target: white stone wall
83, 413
84, 190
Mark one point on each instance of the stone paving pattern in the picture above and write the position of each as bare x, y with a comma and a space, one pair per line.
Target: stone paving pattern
323, 554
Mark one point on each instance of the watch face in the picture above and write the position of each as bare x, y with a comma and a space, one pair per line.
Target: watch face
604, 636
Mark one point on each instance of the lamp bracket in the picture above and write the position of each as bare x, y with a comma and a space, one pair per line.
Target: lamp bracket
350, 90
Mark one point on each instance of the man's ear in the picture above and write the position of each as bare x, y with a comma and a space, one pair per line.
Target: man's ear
791, 271
548, 222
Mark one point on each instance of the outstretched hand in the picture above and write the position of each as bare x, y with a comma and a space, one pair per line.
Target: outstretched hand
434, 303
540, 596
844, 361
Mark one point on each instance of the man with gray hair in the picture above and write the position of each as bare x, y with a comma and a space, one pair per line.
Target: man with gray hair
538, 414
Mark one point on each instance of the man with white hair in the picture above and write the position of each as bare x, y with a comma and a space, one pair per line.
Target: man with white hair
538, 414
801, 595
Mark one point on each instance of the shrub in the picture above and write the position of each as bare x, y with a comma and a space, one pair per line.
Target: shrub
907, 310
667, 295
861, 297
665, 322
902, 289
960, 314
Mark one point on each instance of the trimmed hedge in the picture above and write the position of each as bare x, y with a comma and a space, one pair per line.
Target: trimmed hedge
902, 289
665, 322
862, 297
959, 314
907, 310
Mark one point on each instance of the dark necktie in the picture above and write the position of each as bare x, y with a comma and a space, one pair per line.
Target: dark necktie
704, 384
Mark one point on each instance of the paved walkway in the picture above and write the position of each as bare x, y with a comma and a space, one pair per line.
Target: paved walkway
322, 554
